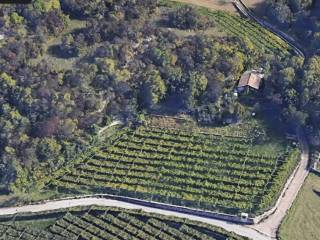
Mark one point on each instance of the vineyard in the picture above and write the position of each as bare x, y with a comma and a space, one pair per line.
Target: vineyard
225, 173
12, 232
262, 39
113, 223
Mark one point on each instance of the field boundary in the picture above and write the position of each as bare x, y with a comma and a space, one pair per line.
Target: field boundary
241, 217
240, 5
163, 206
186, 210
266, 214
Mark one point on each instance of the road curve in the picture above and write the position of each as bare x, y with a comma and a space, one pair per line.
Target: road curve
240, 5
265, 230
60, 204
271, 224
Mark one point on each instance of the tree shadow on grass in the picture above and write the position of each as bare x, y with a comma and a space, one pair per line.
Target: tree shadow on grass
316, 192
58, 52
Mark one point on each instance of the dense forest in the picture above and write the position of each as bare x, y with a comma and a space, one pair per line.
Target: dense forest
299, 82
299, 17
128, 58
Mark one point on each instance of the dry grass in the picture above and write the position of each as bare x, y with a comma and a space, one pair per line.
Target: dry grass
258, 6
224, 5
59, 64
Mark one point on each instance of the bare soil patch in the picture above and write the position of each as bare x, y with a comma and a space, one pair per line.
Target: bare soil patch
257, 6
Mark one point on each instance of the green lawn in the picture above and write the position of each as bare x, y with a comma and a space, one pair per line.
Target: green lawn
303, 220
59, 64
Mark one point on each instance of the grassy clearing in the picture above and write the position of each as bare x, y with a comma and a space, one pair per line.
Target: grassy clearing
303, 219
59, 64
212, 31
223, 5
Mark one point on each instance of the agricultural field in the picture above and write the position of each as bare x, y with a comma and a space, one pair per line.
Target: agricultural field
220, 170
250, 31
108, 223
303, 219
260, 38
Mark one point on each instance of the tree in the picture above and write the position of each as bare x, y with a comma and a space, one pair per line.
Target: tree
48, 149
68, 47
15, 18
187, 18
47, 5
316, 41
297, 117
6, 80
287, 77
198, 83
154, 88
280, 13
298, 5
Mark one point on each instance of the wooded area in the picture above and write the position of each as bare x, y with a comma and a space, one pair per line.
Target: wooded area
125, 58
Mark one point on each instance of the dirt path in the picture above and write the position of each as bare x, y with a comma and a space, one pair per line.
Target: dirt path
270, 225
223, 5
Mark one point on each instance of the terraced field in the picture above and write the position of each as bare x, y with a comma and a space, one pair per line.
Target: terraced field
261, 39
246, 29
226, 173
108, 223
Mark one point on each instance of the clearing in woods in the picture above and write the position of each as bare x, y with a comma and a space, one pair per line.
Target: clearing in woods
223, 5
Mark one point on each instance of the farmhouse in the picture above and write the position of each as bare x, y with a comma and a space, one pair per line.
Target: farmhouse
250, 79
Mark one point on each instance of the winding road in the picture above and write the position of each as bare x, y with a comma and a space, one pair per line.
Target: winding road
264, 230
242, 8
271, 224
60, 204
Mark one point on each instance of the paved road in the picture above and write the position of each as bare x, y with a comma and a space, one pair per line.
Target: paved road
60, 204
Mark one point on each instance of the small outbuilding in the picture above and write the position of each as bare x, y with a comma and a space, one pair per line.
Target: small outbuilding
1, 36
252, 79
